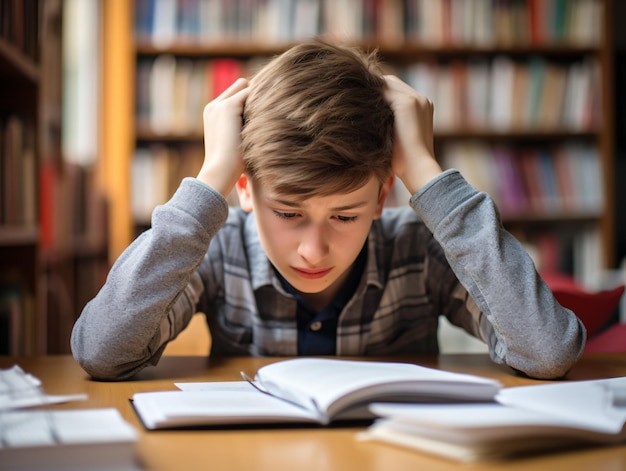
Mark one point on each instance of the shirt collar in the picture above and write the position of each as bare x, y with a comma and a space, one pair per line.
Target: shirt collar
374, 271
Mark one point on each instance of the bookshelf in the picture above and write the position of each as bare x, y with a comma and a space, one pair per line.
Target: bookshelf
51, 256
522, 91
20, 76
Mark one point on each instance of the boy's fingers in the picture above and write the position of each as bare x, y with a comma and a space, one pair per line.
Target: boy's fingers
237, 91
394, 84
233, 88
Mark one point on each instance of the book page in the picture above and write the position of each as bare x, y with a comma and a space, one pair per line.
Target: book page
330, 385
595, 405
215, 403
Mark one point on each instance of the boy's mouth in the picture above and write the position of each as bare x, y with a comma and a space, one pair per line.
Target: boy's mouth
312, 274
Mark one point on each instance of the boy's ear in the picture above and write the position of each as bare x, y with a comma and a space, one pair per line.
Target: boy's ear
244, 192
384, 191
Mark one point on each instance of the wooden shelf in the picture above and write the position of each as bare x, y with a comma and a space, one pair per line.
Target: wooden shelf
18, 236
551, 218
15, 64
146, 135
80, 248
248, 48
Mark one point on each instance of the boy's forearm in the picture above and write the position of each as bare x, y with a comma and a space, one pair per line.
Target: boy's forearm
423, 169
533, 333
126, 326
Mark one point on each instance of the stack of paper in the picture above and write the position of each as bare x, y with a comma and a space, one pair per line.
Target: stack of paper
19, 389
58, 439
523, 420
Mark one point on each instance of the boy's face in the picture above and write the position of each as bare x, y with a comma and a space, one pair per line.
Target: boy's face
313, 243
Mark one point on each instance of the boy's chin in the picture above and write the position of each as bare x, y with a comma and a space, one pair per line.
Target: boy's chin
309, 286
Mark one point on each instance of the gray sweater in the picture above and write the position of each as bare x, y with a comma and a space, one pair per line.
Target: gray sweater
447, 254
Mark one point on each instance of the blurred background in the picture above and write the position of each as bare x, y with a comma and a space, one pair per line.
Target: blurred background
101, 117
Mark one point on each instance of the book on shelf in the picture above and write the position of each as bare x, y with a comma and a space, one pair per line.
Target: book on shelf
503, 94
161, 85
70, 208
150, 174
18, 172
19, 21
500, 94
481, 22
509, 187
17, 317
156, 172
522, 421
535, 180
306, 391
501, 100
172, 91
519, 90
224, 72
551, 102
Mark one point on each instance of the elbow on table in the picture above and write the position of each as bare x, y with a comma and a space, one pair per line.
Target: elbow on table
97, 367
549, 362
101, 363
550, 370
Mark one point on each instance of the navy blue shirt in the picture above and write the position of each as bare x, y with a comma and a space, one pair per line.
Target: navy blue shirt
317, 330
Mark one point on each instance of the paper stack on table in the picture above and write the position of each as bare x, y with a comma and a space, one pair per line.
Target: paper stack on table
523, 420
40, 438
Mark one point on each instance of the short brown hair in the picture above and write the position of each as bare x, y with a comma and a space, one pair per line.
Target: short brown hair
316, 121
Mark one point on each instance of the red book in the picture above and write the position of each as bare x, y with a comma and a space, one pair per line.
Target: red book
531, 175
535, 15
224, 72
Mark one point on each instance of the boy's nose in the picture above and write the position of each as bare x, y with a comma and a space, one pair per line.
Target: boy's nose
314, 245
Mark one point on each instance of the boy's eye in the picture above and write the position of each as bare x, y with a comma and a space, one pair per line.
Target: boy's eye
282, 215
346, 218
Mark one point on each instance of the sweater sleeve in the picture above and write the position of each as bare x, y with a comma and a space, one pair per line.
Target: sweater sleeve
514, 310
152, 289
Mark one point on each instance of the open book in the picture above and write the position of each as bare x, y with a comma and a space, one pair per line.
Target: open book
525, 419
307, 390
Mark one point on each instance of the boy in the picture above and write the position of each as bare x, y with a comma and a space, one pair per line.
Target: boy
310, 264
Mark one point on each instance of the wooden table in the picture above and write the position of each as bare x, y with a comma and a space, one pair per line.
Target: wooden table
298, 449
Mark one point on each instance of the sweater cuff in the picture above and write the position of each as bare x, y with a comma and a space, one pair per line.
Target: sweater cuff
442, 195
202, 202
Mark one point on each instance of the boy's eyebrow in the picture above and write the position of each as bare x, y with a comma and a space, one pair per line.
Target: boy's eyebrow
348, 207
294, 204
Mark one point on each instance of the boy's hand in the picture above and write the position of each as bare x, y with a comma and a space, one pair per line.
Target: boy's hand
223, 163
413, 154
